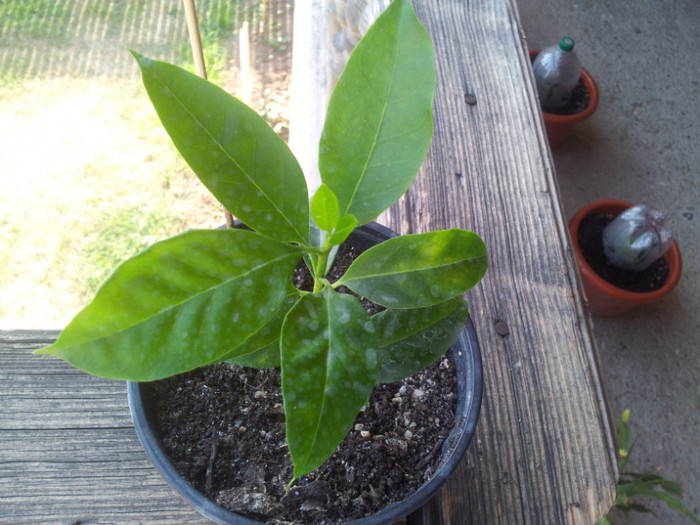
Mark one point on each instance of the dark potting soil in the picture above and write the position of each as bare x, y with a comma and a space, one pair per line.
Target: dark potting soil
590, 240
222, 426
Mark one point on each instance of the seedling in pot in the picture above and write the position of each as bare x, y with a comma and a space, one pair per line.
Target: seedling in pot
636, 239
206, 296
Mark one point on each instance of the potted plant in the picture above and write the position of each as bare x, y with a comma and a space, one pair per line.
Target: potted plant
208, 296
625, 256
584, 102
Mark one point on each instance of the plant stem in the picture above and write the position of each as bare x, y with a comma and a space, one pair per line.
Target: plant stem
320, 270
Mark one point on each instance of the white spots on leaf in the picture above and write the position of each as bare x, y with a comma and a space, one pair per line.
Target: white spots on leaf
371, 357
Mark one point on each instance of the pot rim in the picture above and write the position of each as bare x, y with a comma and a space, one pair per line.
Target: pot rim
590, 85
672, 256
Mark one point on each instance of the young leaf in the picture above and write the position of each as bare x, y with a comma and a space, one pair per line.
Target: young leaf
233, 151
324, 208
182, 303
413, 271
410, 340
343, 229
329, 369
379, 122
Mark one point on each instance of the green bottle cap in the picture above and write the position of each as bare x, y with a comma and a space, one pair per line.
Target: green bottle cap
566, 44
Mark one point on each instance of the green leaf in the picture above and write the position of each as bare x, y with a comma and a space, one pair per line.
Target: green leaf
410, 340
262, 349
233, 151
329, 369
343, 229
182, 303
379, 122
324, 208
413, 271
672, 502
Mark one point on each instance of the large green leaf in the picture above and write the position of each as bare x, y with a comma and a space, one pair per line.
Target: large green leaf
329, 369
233, 151
180, 304
262, 349
379, 122
410, 340
418, 270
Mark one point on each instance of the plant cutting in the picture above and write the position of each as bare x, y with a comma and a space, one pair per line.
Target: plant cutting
208, 296
625, 255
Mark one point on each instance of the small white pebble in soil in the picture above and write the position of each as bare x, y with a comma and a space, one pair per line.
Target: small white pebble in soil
402, 390
365, 433
396, 400
260, 394
408, 434
359, 426
417, 393
242, 429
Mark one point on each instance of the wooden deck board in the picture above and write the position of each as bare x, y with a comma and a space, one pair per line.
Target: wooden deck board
69, 453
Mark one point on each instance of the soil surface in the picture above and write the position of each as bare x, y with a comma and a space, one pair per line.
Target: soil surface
590, 240
223, 428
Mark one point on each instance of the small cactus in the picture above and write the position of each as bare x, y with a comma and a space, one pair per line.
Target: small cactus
636, 239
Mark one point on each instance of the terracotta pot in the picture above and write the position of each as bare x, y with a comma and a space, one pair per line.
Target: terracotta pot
559, 126
467, 358
603, 297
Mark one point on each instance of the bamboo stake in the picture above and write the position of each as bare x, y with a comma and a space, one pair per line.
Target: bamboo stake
200, 67
244, 55
195, 38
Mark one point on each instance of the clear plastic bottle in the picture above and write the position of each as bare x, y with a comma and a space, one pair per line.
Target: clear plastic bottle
557, 71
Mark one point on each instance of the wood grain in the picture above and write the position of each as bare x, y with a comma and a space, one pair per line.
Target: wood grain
544, 450
69, 453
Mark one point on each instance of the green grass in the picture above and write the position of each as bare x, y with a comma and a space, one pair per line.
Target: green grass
101, 177
113, 237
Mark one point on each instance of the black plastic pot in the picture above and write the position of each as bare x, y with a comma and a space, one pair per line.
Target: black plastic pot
467, 358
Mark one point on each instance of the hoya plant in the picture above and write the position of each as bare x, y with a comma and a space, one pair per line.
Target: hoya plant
207, 296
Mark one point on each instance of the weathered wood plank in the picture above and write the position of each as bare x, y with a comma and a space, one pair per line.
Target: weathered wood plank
68, 449
544, 451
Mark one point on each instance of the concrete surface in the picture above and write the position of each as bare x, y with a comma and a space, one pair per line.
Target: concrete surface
642, 145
